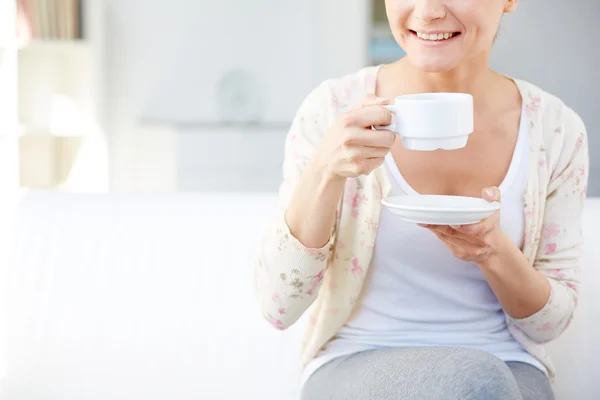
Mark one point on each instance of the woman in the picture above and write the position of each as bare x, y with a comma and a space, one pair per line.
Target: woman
401, 311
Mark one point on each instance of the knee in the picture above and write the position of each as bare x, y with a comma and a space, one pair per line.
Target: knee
484, 376
481, 363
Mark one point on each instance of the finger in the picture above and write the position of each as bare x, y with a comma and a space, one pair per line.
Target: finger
449, 231
451, 240
461, 248
481, 228
451, 245
371, 138
360, 137
370, 100
491, 193
375, 152
359, 153
372, 115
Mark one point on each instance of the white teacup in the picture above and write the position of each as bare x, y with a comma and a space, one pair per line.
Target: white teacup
430, 121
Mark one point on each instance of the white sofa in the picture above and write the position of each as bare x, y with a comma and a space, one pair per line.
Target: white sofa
150, 297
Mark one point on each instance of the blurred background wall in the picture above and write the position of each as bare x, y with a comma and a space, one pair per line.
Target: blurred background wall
185, 95
140, 296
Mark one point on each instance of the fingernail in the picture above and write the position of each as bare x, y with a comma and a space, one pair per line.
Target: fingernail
382, 100
454, 226
489, 192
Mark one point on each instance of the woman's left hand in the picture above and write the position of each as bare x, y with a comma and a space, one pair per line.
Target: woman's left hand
476, 242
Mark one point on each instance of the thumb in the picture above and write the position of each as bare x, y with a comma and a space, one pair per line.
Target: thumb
491, 193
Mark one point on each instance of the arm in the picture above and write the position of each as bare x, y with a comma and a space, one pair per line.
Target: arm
521, 290
539, 301
294, 250
559, 249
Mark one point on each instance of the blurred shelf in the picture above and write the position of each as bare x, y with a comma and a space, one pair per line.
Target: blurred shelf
55, 131
55, 46
384, 50
7, 131
383, 47
29, 132
380, 30
45, 161
200, 127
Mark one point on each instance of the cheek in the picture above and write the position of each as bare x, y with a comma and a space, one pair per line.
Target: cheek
398, 15
398, 12
484, 22
480, 18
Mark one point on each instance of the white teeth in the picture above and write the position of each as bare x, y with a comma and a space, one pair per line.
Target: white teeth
435, 36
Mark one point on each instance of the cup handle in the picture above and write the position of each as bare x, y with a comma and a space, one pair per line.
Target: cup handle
392, 126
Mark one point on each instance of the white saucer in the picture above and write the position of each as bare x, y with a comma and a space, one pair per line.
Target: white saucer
440, 210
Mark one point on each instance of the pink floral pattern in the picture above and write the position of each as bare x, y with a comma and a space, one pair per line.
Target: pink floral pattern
556, 274
532, 106
545, 327
315, 283
277, 323
372, 224
353, 196
550, 230
290, 277
550, 248
357, 270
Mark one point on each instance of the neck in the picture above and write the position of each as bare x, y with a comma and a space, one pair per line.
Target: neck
474, 78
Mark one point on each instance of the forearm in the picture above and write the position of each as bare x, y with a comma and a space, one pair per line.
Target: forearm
311, 212
521, 289
295, 251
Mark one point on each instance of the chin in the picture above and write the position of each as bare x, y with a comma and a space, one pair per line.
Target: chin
433, 65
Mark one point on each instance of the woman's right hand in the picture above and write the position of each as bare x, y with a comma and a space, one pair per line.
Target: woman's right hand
351, 147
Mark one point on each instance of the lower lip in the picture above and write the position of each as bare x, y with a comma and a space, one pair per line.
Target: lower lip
426, 42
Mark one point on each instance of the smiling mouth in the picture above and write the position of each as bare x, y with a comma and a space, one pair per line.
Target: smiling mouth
435, 37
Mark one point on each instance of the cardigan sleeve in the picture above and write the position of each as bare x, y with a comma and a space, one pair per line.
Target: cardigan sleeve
288, 275
560, 243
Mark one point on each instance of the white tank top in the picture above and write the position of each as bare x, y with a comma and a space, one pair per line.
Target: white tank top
418, 294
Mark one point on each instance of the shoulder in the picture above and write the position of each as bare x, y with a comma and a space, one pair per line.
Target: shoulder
326, 101
553, 111
562, 127
343, 92
562, 135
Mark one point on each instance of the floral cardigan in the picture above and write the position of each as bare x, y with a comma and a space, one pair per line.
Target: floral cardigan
290, 278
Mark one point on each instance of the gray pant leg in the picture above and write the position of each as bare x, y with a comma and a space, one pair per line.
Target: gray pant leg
424, 373
533, 383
